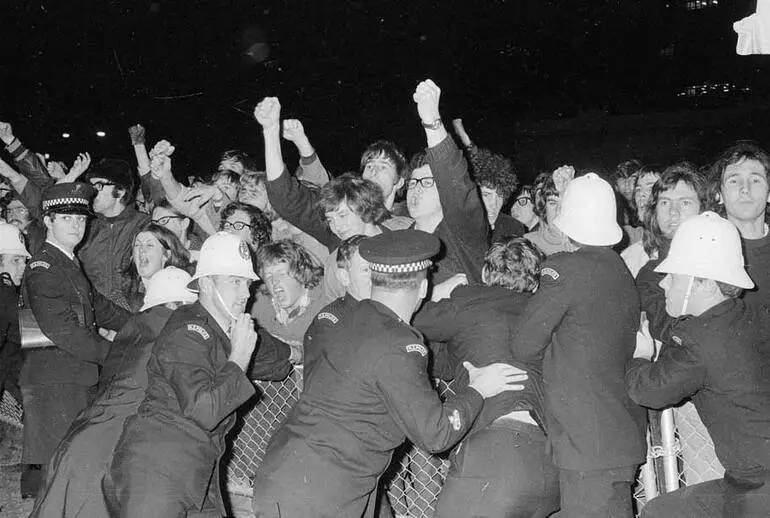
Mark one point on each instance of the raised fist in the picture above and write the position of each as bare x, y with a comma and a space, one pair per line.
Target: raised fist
81, 164
268, 112
137, 134
162, 147
562, 177
427, 96
293, 130
6, 133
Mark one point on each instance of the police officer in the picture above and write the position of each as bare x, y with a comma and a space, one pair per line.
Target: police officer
367, 393
56, 380
166, 462
718, 355
582, 324
13, 260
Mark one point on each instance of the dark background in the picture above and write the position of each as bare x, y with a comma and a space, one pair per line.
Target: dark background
546, 82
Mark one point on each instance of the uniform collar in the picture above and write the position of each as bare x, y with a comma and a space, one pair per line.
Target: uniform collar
70, 256
383, 309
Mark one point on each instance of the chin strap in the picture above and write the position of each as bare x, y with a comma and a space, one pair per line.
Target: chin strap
687, 296
233, 318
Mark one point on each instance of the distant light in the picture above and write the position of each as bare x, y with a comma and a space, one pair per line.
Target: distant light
101, 134
47, 156
65, 135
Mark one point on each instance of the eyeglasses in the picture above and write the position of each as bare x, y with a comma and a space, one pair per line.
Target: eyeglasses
166, 219
523, 200
101, 185
238, 225
425, 182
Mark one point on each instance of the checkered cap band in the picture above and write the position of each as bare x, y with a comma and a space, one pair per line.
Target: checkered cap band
401, 268
56, 202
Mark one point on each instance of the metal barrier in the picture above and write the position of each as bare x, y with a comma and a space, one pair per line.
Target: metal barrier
10, 410
416, 477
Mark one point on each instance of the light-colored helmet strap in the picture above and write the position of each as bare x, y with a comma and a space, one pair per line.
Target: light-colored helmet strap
687, 295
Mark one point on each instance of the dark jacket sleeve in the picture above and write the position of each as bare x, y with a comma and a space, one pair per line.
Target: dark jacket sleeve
32, 198
271, 361
206, 394
437, 320
677, 374
10, 336
151, 186
464, 213
542, 315
415, 406
108, 314
30, 165
295, 203
58, 321
653, 300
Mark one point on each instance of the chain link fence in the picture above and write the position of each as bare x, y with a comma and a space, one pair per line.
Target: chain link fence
413, 482
697, 459
10, 410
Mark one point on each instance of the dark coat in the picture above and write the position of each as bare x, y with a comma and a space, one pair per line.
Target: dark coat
477, 325
507, 226
722, 360
582, 324
170, 450
10, 339
367, 391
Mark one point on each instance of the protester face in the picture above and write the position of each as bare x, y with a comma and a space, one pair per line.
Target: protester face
238, 224
625, 187
229, 189
523, 209
13, 265
66, 229
284, 289
172, 221
552, 209
17, 214
383, 172
343, 222
422, 200
675, 206
149, 254
643, 191
493, 202
105, 200
676, 287
234, 292
745, 190
360, 277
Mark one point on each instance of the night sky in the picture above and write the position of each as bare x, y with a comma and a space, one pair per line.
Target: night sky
193, 71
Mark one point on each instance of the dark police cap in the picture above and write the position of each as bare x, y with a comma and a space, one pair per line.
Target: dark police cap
399, 251
69, 198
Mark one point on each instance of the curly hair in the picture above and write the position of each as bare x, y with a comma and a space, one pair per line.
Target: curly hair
626, 169
493, 171
653, 238
259, 225
387, 150
364, 198
418, 160
246, 161
543, 188
513, 264
743, 150
302, 265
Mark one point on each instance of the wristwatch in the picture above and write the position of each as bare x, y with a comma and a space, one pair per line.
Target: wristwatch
436, 124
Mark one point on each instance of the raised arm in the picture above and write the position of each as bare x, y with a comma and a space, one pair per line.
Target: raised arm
27, 161
310, 167
291, 200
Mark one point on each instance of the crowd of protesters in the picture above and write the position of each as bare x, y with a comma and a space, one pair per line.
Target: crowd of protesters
137, 308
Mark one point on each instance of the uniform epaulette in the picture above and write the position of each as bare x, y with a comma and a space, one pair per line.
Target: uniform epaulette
326, 315
39, 264
416, 348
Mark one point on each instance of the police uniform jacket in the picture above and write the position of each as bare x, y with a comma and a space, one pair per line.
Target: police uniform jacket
193, 391
106, 252
582, 324
68, 311
722, 360
367, 391
476, 323
10, 338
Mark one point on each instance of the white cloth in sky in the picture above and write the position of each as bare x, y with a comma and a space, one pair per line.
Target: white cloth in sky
754, 31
